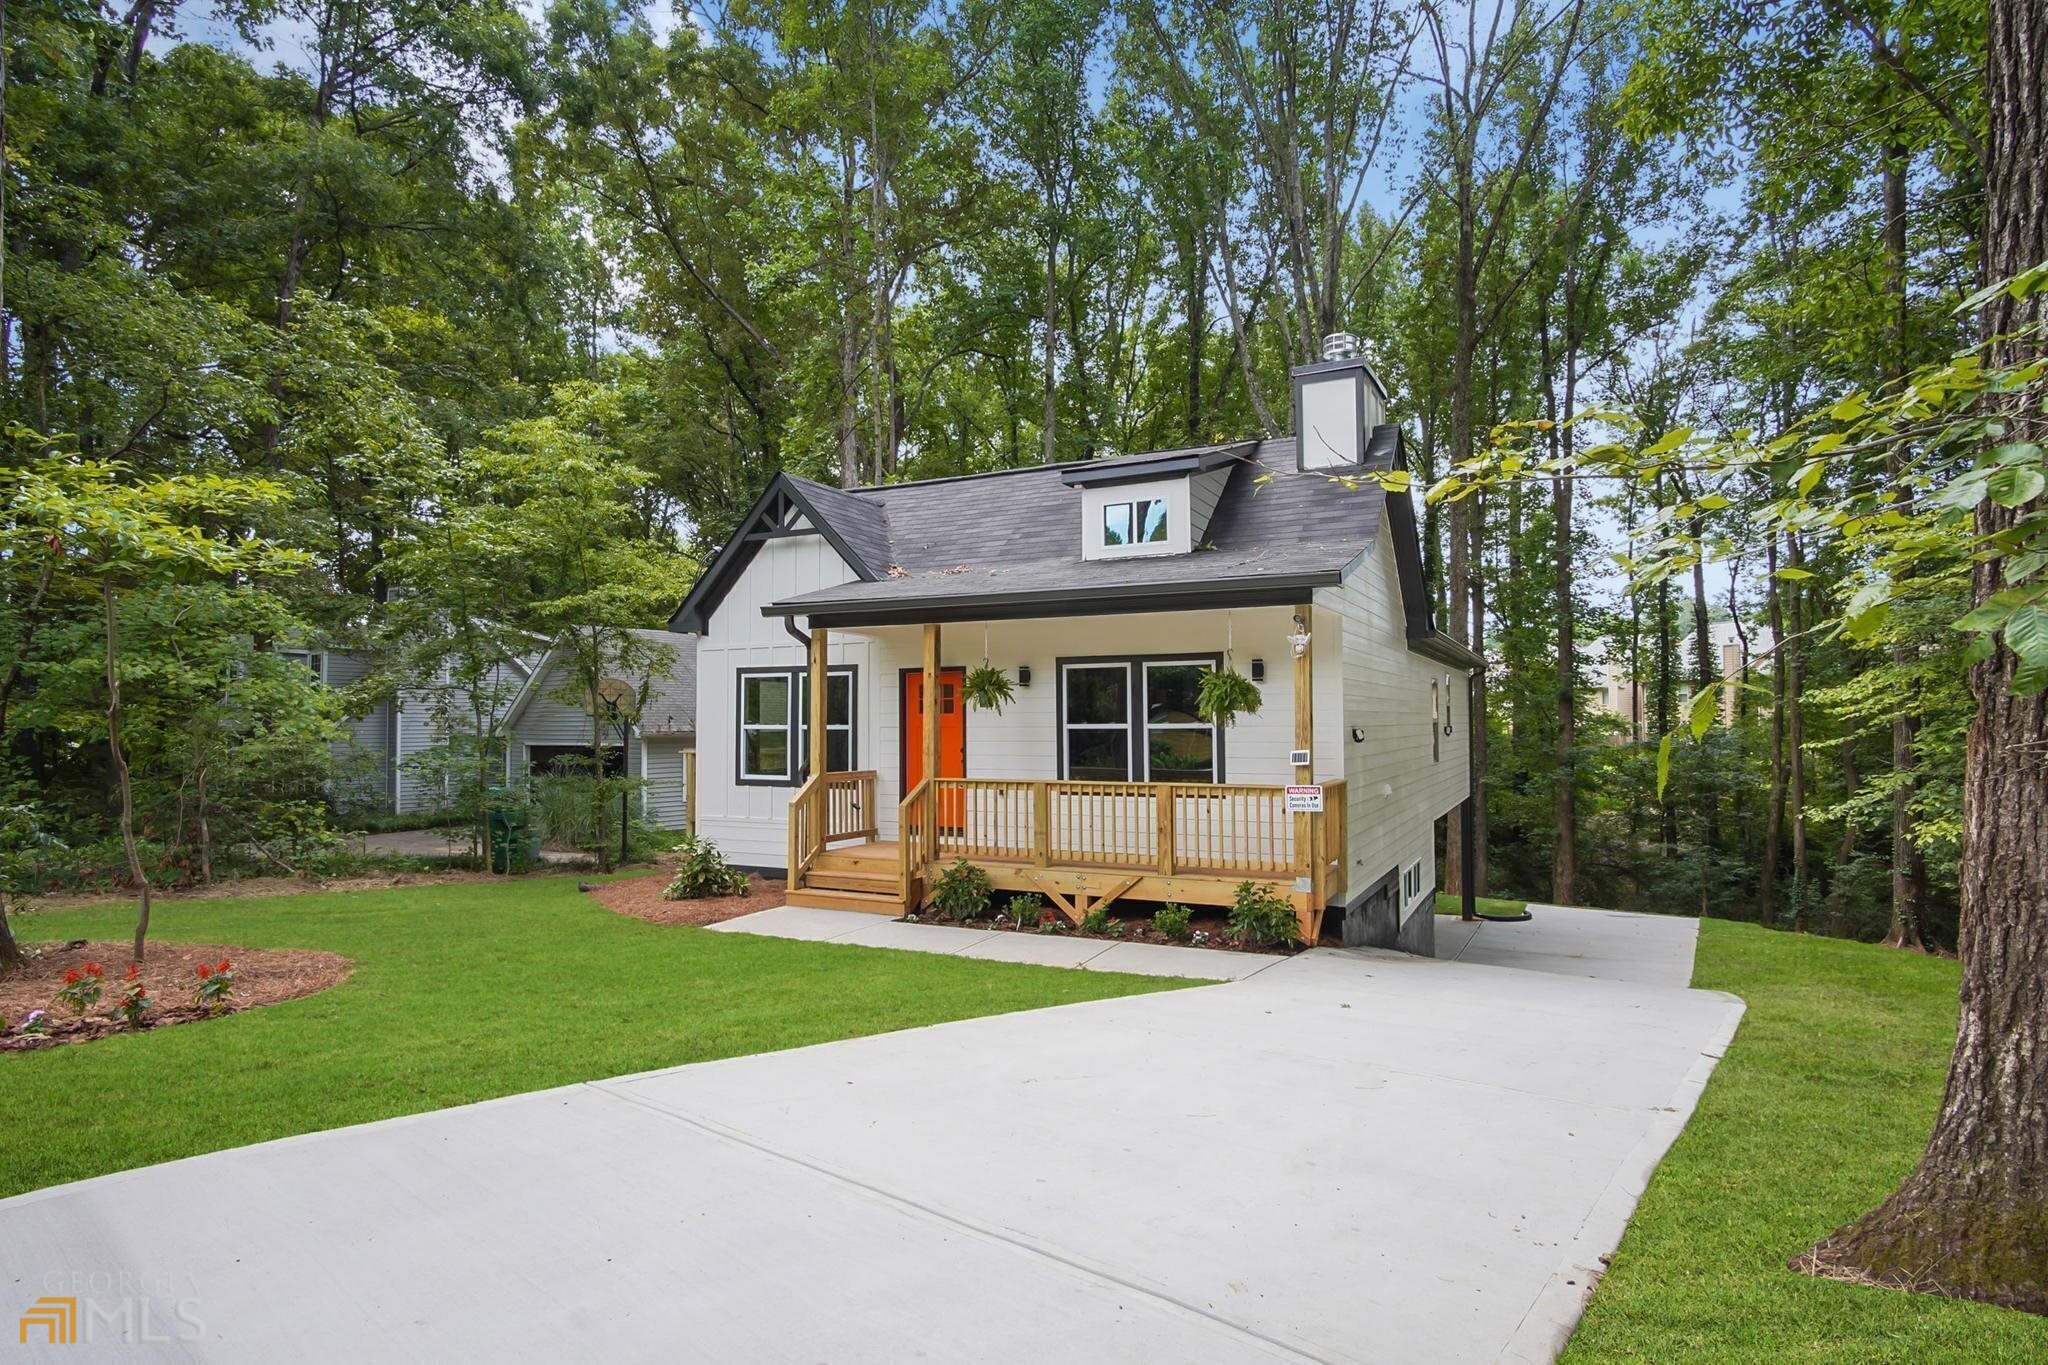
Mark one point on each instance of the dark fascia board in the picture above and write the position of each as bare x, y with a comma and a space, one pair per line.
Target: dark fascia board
1388, 451
1138, 467
1442, 648
1205, 595
693, 617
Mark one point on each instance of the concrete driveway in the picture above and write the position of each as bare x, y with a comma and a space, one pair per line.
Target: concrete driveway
1348, 1156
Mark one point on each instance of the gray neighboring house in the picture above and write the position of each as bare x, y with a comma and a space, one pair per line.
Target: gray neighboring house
374, 775
660, 746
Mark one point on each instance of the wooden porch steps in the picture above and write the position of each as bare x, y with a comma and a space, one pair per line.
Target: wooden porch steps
852, 879
819, 898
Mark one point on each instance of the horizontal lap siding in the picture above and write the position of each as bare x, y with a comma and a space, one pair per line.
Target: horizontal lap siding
1397, 788
1022, 743
664, 802
363, 754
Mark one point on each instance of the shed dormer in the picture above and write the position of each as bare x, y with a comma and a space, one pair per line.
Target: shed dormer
1156, 504
1337, 403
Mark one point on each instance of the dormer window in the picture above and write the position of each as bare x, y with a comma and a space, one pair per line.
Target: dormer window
1139, 522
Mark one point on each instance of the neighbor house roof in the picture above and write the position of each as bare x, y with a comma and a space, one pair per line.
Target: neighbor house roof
671, 706
1009, 544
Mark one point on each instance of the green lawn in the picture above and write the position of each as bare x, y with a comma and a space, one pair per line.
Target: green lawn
460, 993
1822, 1103
1486, 905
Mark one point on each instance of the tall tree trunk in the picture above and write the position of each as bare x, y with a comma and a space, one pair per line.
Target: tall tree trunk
1197, 325
1972, 1218
202, 825
1774, 820
1049, 444
1705, 676
122, 780
11, 955
1846, 852
1795, 732
1907, 887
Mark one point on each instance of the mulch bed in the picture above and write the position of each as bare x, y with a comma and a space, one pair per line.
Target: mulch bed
234, 888
1214, 933
640, 897
263, 976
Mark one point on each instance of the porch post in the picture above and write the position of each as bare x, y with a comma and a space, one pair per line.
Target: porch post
1307, 859
817, 707
930, 714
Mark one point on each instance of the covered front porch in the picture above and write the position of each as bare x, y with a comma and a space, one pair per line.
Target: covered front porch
1081, 844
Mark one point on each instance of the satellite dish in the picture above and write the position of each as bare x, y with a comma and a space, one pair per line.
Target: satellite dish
615, 697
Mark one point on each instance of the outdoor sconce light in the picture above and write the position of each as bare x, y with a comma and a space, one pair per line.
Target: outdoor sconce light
1023, 675
1299, 639
1258, 670
1447, 710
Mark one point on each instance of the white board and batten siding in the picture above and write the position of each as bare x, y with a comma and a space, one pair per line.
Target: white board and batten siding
1405, 773
748, 823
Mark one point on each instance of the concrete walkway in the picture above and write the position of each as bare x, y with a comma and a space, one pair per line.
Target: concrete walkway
1346, 1156
1002, 945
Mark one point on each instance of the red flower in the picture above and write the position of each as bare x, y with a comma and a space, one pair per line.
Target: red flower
94, 969
203, 970
134, 971
71, 977
225, 965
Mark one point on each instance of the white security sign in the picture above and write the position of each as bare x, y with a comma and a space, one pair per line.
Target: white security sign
1304, 800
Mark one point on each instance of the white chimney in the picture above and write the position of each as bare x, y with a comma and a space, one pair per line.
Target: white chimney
1337, 403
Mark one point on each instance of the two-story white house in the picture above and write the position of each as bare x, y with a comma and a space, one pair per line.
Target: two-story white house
838, 626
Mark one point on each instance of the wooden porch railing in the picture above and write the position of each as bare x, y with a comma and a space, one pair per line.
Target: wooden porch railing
917, 841
830, 806
1173, 828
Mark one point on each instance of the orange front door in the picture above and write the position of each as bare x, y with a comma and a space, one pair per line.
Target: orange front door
952, 739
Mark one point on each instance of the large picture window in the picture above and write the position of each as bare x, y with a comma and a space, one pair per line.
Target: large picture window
774, 724
1134, 720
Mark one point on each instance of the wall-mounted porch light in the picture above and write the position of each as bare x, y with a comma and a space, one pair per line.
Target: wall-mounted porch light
1023, 675
1258, 670
1447, 710
1298, 641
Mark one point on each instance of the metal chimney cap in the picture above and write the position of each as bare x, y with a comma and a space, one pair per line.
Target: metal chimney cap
1340, 346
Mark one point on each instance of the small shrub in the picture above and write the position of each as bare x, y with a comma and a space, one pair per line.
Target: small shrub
1050, 923
1174, 921
1024, 909
1260, 916
81, 988
1096, 921
703, 872
960, 892
216, 984
134, 1001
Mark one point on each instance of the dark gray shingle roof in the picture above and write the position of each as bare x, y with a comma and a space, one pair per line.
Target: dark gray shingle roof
979, 540
671, 707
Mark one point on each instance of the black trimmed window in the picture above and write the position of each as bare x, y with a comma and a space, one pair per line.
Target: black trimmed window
1095, 745
1141, 521
773, 722
1134, 720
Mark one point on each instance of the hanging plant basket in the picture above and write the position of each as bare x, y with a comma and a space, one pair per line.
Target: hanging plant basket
1227, 694
988, 689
